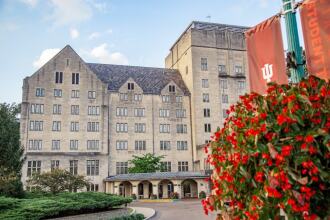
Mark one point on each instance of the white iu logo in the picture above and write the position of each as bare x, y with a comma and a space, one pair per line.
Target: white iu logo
267, 72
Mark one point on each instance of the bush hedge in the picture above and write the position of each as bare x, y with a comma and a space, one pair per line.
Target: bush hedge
130, 217
59, 205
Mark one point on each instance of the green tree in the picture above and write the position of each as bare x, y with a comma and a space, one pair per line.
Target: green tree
148, 163
11, 156
57, 181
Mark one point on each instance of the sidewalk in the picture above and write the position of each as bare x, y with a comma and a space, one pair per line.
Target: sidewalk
147, 212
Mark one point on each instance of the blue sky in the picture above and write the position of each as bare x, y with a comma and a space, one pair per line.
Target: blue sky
134, 32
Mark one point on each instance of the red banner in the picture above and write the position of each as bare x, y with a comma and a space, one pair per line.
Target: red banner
266, 55
315, 19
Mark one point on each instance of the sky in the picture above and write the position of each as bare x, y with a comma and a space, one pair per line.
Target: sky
129, 32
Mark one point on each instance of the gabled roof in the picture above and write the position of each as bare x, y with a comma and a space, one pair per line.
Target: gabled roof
151, 80
157, 176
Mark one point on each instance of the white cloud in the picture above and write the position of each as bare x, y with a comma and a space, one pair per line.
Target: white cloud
94, 35
70, 12
100, 6
74, 33
109, 31
45, 56
31, 3
102, 54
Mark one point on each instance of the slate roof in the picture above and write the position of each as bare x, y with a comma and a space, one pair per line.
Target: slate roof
157, 176
151, 80
208, 26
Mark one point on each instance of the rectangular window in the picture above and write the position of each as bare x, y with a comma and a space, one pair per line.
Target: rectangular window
206, 165
123, 96
74, 109
92, 167
164, 113
93, 126
165, 145
57, 92
34, 166
239, 70
165, 98
204, 64
40, 92
74, 144
181, 128
130, 86
92, 188
36, 125
139, 112
56, 126
35, 145
205, 83
140, 127
224, 113
54, 164
121, 167
74, 126
222, 69
75, 78
92, 94
223, 84
121, 145
93, 145
164, 128
57, 109
224, 98
178, 99
207, 128
74, 167
56, 144
207, 113
241, 85
181, 113
137, 97
165, 166
58, 77
140, 145
171, 88
183, 166
75, 94
121, 112
93, 110
182, 145
206, 97
37, 108
122, 127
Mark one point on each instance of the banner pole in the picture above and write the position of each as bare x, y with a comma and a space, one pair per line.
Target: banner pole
293, 39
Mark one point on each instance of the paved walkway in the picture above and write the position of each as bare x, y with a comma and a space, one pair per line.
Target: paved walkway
147, 212
183, 210
98, 216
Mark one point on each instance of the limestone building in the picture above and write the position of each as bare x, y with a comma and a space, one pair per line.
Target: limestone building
91, 118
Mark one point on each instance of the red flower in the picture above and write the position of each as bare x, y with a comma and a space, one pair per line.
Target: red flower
286, 150
259, 177
312, 150
281, 119
309, 139
299, 138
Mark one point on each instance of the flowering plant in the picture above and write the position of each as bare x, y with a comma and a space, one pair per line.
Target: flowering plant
274, 153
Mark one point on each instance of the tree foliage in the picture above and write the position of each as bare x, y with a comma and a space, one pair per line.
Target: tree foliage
11, 156
57, 181
274, 153
148, 163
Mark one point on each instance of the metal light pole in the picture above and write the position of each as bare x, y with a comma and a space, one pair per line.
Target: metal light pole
293, 39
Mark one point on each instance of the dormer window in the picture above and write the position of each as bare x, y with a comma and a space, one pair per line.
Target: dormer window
58, 77
171, 88
130, 86
75, 78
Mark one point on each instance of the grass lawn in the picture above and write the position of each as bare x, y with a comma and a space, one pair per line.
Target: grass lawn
46, 206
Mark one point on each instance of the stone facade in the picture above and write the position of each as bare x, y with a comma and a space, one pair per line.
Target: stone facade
92, 118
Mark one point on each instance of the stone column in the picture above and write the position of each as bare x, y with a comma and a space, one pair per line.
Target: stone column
116, 188
155, 188
135, 189
177, 187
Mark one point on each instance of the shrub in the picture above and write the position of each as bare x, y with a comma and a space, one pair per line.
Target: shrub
153, 196
134, 196
59, 205
174, 195
273, 153
130, 217
202, 195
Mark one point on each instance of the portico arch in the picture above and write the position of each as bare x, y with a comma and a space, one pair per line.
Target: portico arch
165, 189
189, 188
145, 189
125, 189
